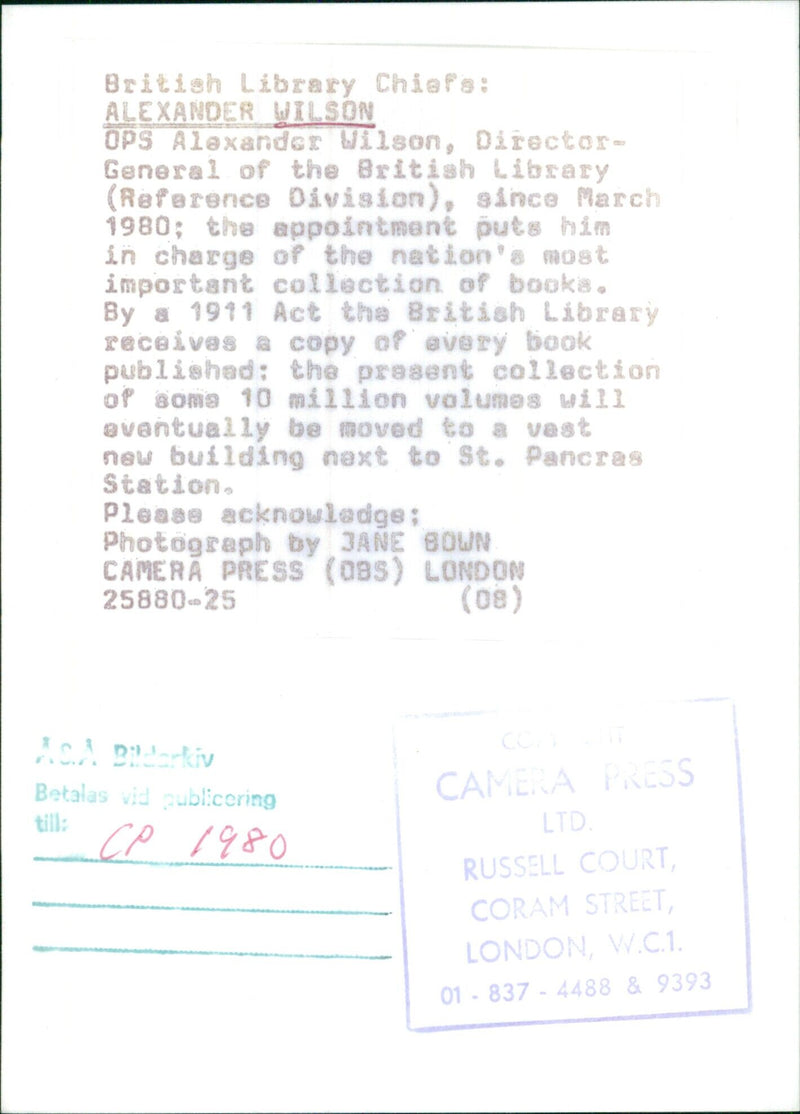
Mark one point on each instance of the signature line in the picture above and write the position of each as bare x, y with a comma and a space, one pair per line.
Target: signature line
213, 909
180, 951
252, 866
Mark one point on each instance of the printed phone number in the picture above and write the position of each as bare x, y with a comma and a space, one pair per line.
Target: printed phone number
674, 983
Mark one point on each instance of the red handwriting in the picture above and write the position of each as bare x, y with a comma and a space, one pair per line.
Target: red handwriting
276, 848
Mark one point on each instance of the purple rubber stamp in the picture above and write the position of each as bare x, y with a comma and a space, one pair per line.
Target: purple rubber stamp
572, 864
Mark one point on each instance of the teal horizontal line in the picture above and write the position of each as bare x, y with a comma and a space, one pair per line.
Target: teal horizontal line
212, 909
180, 951
144, 862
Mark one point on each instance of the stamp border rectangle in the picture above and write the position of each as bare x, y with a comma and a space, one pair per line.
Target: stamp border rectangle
577, 1020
